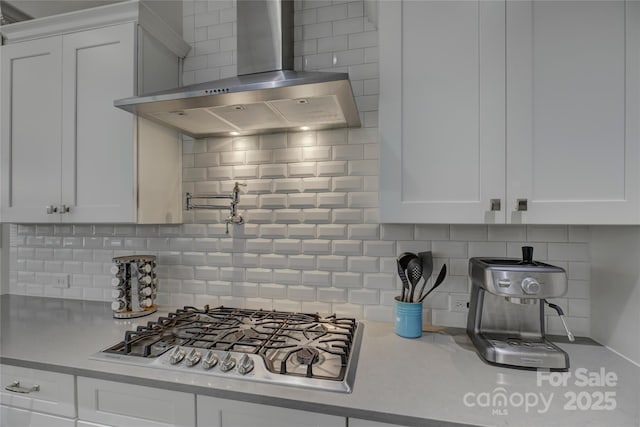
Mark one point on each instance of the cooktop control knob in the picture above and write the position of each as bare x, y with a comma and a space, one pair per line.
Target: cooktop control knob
228, 362
530, 286
193, 358
210, 360
245, 365
177, 356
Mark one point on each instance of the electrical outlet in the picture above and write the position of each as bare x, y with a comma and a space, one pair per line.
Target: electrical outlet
459, 303
60, 280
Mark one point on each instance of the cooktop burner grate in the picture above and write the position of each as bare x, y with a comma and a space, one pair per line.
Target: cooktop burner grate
299, 345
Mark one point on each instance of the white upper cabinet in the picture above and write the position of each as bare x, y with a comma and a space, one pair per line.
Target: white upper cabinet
97, 160
67, 154
529, 105
572, 111
441, 111
30, 128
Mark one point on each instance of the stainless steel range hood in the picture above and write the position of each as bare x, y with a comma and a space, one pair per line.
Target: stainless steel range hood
266, 96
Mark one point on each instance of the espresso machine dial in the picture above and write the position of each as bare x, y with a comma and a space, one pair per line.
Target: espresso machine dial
530, 286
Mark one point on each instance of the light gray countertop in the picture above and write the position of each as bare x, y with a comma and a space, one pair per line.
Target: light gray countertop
436, 380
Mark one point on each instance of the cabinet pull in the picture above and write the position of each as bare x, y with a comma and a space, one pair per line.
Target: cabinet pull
64, 209
51, 209
495, 205
15, 387
521, 205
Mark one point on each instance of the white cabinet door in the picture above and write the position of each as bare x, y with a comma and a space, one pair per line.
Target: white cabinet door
573, 102
98, 152
442, 111
30, 156
213, 412
55, 394
123, 405
12, 417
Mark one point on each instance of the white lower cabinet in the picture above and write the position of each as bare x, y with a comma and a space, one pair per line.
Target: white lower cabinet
214, 412
35, 398
14, 417
117, 404
39, 391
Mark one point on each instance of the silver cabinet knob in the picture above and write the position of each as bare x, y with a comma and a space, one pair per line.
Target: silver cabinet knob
51, 209
64, 209
495, 205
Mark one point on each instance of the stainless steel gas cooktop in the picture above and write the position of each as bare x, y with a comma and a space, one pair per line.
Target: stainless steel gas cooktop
297, 349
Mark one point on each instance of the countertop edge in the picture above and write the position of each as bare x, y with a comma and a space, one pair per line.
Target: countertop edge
341, 411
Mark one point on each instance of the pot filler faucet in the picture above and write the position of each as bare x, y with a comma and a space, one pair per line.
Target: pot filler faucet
234, 217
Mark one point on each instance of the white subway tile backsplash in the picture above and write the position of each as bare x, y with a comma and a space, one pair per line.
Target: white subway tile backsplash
316, 153
302, 262
316, 185
347, 216
547, 233
338, 168
363, 199
445, 249
332, 200
316, 247
301, 201
273, 231
431, 232
288, 216
468, 232
379, 248
332, 295
396, 232
273, 201
304, 169
301, 231
379, 281
332, 231
487, 249
569, 252
317, 216
287, 246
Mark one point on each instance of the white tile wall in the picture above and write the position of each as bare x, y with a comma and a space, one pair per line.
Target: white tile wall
312, 240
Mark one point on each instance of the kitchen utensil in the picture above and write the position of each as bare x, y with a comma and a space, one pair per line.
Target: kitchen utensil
403, 277
506, 320
426, 260
414, 273
403, 262
439, 280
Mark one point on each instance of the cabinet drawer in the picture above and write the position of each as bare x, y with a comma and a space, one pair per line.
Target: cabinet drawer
119, 404
213, 412
55, 395
14, 417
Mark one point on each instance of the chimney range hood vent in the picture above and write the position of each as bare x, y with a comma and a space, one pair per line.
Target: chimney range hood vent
267, 97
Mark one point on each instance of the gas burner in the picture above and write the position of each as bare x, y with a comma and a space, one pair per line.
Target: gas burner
298, 349
307, 356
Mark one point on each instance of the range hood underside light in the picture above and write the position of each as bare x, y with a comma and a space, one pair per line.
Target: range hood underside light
203, 112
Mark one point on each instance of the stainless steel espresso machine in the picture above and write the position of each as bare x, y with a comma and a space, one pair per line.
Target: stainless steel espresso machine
506, 311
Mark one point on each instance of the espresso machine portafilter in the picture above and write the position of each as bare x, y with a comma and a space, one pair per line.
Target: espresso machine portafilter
506, 320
